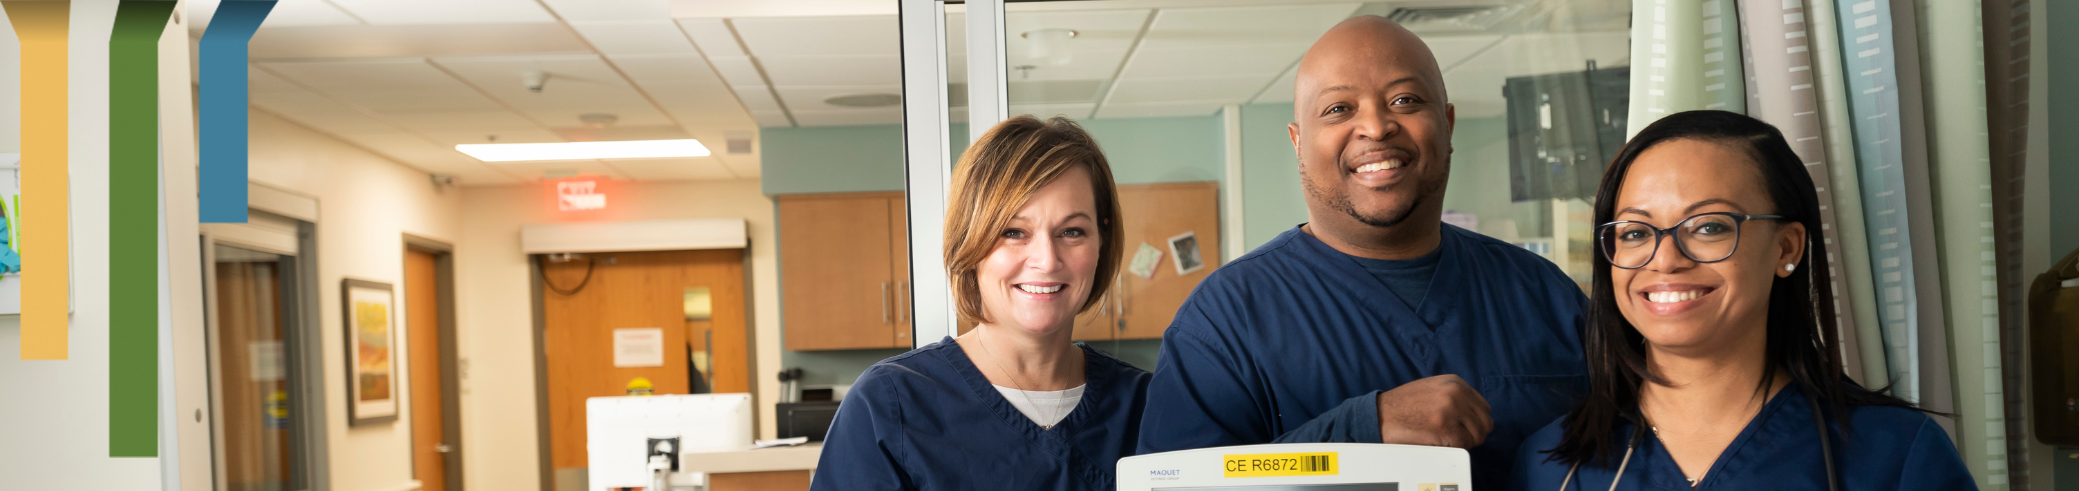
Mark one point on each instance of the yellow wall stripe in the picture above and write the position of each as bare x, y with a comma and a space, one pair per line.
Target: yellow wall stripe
42, 27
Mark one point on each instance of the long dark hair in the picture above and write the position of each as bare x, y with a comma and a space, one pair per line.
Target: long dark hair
1801, 330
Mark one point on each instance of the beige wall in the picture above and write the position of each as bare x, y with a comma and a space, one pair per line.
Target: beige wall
495, 314
366, 203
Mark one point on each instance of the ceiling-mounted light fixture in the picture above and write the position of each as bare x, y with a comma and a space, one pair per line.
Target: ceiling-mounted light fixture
535, 152
864, 100
1050, 45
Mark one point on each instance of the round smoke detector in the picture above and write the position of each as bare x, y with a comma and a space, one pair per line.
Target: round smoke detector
864, 100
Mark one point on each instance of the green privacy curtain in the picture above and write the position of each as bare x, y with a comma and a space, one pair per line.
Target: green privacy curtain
2007, 113
1950, 36
1685, 56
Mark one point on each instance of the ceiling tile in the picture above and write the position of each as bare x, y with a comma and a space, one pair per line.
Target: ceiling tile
699, 168
635, 37
714, 117
848, 117
1266, 60
810, 98
411, 73
405, 41
1451, 50
1083, 64
1072, 111
713, 37
452, 138
537, 170
1096, 30
867, 35
464, 121
394, 12
610, 10
771, 119
1218, 90
1188, 27
1279, 90
663, 68
284, 14
757, 98
1054, 91
431, 99
258, 81
1158, 110
743, 166
834, 70
737, 70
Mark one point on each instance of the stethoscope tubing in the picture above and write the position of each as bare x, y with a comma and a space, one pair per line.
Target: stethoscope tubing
1638, 432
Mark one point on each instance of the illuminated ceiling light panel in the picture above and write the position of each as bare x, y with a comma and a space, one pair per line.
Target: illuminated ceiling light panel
534, 152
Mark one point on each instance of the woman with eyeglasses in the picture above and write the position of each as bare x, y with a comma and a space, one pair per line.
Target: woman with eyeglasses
1711, 337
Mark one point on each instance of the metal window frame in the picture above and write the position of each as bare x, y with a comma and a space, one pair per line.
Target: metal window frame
927, 154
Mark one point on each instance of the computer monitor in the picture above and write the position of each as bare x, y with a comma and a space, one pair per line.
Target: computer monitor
1300, 467
618, 430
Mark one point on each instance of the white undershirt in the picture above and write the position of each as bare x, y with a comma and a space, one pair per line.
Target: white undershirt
1043, 404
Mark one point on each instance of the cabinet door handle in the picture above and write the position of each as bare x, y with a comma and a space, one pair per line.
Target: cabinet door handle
902, 301
884, 302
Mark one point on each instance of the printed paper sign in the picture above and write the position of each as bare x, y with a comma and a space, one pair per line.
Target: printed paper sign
639, 347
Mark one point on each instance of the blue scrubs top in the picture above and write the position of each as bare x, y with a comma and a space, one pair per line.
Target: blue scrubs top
1883, 447
928, 419
1294, 341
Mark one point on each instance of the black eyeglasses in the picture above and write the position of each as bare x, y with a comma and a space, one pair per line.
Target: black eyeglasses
1704, 238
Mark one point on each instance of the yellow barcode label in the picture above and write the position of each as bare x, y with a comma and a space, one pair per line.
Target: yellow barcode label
1280, 464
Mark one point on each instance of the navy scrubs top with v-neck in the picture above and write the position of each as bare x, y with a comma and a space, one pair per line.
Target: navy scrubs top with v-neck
1292, 342
928, 419
1883, 448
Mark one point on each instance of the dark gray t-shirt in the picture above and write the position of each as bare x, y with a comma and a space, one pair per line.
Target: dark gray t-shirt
1406, 278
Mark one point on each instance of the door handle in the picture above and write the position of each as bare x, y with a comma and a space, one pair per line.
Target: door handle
884, 302
443, 448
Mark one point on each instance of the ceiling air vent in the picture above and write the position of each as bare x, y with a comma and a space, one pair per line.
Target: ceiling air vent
1452, 18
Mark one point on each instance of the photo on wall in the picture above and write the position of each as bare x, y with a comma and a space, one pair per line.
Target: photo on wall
371, 340
10, 234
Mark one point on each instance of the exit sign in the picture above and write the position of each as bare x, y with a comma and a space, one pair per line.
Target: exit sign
579, 196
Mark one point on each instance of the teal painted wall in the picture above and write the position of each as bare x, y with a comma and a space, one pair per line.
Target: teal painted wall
1272, 199
2063, 30
830, 159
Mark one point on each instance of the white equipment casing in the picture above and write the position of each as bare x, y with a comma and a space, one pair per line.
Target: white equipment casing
1301, 467
618, 430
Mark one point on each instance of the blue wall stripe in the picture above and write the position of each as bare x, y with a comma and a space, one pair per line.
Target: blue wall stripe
222, 108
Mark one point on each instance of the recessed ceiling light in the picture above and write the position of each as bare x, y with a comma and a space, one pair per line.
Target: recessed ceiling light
864, 100
534, 152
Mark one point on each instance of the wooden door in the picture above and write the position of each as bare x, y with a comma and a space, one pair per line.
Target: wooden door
837, 281
1154, 213
422, 332
633, 290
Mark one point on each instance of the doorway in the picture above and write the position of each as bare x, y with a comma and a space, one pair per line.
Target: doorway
264, 431
693, 302
429, 306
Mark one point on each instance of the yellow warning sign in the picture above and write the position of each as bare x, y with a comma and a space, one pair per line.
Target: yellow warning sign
1280, 464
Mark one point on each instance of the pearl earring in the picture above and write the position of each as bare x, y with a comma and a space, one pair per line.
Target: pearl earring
1789, 267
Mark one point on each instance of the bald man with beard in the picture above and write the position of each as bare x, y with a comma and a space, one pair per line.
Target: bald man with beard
1374, 321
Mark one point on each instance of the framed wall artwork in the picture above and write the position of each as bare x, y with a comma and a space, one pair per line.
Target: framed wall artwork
371, 344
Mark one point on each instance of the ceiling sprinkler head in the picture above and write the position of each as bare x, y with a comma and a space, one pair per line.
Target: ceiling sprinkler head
534, 79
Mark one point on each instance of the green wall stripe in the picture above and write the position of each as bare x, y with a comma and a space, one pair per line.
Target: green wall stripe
133, 214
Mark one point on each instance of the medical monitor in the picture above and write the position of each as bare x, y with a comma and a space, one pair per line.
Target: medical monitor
1300, 467
618, 429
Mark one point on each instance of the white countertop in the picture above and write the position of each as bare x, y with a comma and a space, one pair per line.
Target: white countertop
795, 458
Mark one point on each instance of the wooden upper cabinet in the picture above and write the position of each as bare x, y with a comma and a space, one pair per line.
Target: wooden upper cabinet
899, 260
1153, 214
845, 267
837, 272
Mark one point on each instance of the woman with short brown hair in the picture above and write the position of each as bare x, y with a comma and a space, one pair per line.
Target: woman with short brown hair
1032, 239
